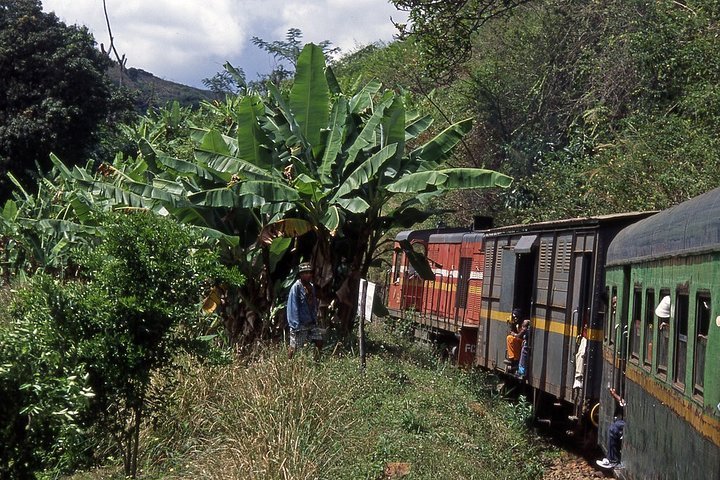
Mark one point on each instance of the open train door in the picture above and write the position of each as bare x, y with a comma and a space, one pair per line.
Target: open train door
577, 329
620, 334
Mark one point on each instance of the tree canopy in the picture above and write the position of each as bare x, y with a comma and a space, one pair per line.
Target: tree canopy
54, 93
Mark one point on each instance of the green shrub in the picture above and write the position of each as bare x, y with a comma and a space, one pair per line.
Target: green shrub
43, 385
94, 356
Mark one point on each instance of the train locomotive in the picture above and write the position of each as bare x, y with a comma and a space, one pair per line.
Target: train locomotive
592, 289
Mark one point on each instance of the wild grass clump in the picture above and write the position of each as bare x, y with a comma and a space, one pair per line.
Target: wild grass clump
272, 418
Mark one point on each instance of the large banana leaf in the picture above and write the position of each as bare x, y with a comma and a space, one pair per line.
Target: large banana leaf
309, 96
418, 261
439, 148
232, 240
417, 125
362, 100
287, 227
271, 191
333, 84
120, 196
367, 136
215, 153
393, 128
333, 146
251, 140
449, 179
353, 205
310, 187
64, 171
225, 198
461, 178
277, 250
184, 167
332, 218
63, 228
290, 122
366, 171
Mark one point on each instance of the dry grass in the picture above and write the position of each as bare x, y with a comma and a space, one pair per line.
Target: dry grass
271, 419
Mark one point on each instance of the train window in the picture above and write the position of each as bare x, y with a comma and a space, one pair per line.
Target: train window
682, 304
613, 316
648, 327
463, 282
635, 326
663, 314
606, 312
702, 326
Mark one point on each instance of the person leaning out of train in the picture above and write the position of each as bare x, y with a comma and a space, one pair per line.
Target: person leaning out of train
513, 341
663, 312
615, 433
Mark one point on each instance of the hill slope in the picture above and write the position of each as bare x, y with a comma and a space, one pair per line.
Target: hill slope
153, 91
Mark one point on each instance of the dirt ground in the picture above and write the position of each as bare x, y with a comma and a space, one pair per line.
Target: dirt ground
570, 466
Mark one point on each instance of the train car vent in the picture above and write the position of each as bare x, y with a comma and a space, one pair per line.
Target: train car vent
563, 256
489, 259
566, 257
544, 260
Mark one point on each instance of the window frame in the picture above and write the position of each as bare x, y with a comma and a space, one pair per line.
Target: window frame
681, 324
648, 329
663, 335
634, 335
701, 329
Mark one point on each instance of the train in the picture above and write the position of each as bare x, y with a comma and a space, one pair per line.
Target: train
622, 302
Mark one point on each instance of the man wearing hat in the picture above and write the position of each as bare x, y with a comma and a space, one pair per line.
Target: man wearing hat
302, 308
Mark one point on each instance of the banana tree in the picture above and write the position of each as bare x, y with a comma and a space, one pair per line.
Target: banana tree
344, 167
39, 230
342, 163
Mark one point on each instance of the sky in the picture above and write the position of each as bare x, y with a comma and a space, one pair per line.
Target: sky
186, 41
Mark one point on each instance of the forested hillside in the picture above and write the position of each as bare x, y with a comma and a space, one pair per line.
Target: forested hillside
594, 107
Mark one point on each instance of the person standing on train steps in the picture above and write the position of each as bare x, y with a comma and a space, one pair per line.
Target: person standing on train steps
302, 310
513, 342
525, 350
615, 433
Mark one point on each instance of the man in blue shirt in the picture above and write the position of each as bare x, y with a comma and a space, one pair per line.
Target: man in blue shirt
302, 308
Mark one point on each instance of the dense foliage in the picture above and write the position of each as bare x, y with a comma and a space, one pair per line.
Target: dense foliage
79, 357
309, 171
54, 92
594, 107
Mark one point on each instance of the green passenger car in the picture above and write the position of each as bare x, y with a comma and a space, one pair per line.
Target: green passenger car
661, 342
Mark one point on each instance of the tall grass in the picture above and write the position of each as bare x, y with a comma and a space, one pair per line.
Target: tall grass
408, 415
271, 419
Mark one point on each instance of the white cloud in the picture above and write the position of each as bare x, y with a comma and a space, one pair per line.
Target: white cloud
188, 40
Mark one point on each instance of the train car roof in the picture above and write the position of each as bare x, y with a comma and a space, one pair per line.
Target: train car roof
425, 234
568, 223
691, 227
459, 237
